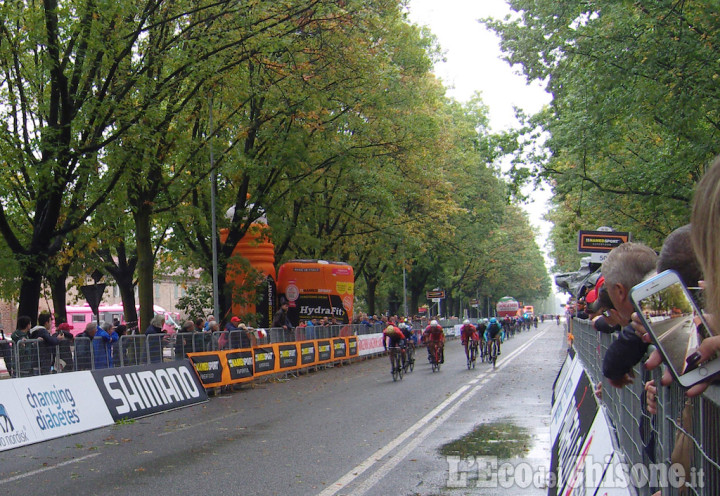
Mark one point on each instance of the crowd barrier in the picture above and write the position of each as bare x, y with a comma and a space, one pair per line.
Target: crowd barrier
35, 409
226, 367
685, 430
30, 357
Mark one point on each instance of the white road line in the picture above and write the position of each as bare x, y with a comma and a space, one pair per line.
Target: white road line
430, 422
45, 469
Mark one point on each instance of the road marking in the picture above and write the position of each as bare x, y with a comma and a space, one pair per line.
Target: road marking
429, 422
45, 469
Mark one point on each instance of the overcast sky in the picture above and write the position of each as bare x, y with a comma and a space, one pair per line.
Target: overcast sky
474, 64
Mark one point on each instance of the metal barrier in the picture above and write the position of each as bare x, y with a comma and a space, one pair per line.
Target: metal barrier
31, 357
649, 439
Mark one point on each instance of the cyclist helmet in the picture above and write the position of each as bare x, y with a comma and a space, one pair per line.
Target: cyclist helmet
466, 321
493, 320
402, 325
433, 322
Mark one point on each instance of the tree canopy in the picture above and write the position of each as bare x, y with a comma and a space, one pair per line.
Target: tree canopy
322, 114
634, 115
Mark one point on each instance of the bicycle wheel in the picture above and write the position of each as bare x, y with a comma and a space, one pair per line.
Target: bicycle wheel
393, 361
494, 353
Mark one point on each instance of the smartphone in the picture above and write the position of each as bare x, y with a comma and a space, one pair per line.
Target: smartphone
676, 325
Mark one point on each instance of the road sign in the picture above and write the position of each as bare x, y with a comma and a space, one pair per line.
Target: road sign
435, 294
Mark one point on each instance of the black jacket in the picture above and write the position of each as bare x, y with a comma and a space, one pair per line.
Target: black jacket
622, 355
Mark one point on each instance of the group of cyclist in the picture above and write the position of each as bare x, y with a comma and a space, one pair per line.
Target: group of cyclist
402, 340
483, 340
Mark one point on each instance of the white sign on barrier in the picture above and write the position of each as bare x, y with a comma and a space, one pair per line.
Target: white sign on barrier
369, 344
35, 409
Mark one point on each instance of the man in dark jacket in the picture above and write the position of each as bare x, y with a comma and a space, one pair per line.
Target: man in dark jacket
83, 347
154, 335
64, 360
46, 344
625, 266
281, 320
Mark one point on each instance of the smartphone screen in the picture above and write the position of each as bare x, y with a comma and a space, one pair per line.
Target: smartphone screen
676, 324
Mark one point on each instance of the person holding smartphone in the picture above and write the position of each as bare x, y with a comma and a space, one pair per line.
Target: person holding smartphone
704, 233
626, 266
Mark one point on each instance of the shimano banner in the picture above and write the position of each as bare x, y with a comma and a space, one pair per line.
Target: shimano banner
133, 392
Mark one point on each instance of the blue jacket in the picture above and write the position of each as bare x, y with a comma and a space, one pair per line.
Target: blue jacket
102, 345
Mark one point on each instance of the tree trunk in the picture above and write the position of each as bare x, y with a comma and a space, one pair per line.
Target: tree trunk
371, 284
59, 294
145, 265
123, 272
30, 292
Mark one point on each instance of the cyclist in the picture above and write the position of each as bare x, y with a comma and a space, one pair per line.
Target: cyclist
434, 335
396, 338
468, 333
410, 340
493, 332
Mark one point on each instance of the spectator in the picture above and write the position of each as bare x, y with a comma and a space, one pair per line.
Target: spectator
184, 340
234, 334
46, 343
83, 347
310, 331
154, 335
64, 357
247, 336
625, 266
705, 226
24, 352
6, 351
105, 336
119, 351
282, 320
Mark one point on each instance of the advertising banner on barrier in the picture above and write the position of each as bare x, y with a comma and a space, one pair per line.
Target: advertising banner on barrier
210, 367
352, 346
141, 390
35, 409
287, 356
308, 353
573, 415
339, 346
369, 344
265, 360
324, 347
240, 364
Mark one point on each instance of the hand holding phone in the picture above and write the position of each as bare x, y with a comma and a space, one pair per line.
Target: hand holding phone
676, 325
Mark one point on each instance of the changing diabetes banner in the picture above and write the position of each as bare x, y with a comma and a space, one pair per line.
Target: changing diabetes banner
141, 390
221, 368
35, 409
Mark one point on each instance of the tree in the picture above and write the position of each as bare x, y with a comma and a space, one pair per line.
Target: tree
634, 113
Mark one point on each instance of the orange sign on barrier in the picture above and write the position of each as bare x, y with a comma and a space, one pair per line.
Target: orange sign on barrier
222, 368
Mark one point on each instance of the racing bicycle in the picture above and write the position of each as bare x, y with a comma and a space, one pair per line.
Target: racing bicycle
472, 352
409, 351
396, 362
435, 355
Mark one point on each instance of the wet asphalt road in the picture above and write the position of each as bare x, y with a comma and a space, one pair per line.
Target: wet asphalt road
345, 430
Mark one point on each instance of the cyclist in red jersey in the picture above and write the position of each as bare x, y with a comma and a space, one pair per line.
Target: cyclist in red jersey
468, 332
396, 339
434, 335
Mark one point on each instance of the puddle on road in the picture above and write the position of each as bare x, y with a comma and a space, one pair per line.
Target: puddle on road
501, 439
